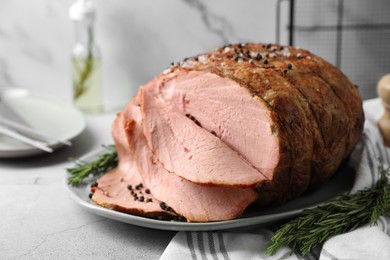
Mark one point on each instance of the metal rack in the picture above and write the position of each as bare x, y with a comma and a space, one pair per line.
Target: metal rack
354, 35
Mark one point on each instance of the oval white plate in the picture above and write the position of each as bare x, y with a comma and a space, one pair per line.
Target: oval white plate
43, 113
340, 183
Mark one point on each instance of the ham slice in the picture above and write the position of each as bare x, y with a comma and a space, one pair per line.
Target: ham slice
196, 203
241, 124
189, 151
123, 188
185, 93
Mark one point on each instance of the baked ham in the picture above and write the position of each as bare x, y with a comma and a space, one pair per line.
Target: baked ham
243, 124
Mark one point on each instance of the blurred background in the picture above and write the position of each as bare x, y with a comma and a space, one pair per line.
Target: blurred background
139, 39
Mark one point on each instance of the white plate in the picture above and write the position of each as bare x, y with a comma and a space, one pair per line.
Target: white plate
340, 183
43, 113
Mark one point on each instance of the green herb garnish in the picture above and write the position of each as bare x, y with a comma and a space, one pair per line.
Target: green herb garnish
342, 214
84, 169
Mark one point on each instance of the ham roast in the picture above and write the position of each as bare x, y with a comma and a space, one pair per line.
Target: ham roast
243, 124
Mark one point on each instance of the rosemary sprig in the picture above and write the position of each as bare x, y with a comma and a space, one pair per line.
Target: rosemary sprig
88, 65
80, 86
82, 170
342, 214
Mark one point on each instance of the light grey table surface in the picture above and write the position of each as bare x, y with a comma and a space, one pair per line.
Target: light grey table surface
39, 219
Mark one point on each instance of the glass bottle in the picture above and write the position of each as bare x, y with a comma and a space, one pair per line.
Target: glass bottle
86, 59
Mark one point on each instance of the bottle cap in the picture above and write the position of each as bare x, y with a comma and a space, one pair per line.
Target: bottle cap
82, 9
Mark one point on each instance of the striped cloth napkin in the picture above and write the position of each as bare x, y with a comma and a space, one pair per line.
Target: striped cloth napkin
363, 243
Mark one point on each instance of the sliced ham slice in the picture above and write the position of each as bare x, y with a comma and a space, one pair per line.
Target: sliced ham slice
197, 203
197, 112
123, 188
113, 192
212, 103
191, 151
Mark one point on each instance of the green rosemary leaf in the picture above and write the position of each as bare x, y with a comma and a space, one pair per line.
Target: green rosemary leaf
383, 197
83, 170
342, 214
88, 66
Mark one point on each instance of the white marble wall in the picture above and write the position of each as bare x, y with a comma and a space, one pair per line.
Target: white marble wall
138, 39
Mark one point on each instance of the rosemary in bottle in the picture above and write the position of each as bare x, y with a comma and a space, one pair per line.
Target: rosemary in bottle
86, 60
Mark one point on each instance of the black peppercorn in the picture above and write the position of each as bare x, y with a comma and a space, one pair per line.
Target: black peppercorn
163, 206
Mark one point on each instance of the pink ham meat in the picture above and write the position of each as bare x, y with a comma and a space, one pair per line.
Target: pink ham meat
243, 123
197, 203
189, 150
112, 190
187, 138
188, 94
